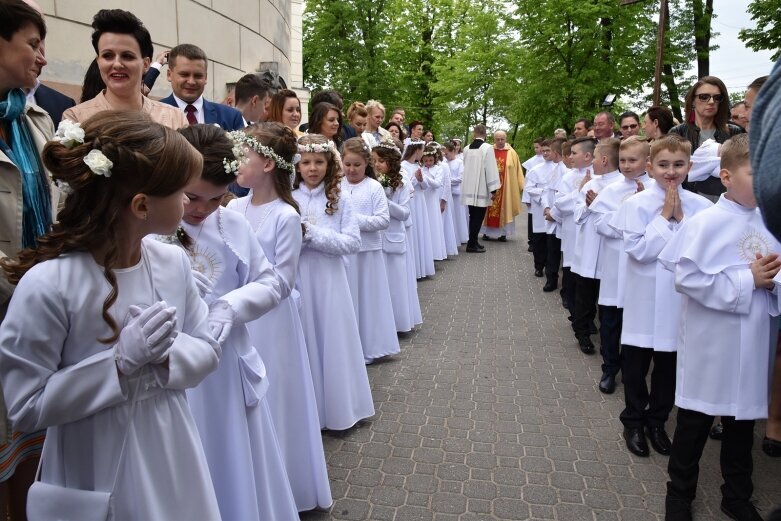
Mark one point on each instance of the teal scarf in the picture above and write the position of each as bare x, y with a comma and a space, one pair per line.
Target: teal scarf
36, 198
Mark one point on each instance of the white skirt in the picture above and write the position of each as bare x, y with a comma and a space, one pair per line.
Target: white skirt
333, 342
279, 338
435, 224
412, 283
398, 282
368, 279
424, 255
449, 229
460, 219
239, 438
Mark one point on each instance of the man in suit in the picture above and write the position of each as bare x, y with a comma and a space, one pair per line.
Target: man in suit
479, 185
52, 101
187, 66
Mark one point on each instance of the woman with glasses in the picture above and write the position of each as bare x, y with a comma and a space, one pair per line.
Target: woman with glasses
630, 124
707, 117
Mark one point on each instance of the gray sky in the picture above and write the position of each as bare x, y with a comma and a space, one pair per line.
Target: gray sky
733, 62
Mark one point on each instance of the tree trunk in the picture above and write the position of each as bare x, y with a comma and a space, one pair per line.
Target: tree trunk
668, 77
703, 14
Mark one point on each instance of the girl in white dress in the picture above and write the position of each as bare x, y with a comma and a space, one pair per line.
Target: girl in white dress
330, 327
448, 226
399, 258
435, 205
366, 272
239, 284
424, 254
460, 217
278, 336
104, 322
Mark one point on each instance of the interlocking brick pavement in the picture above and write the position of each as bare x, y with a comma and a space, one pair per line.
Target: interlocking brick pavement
492, 412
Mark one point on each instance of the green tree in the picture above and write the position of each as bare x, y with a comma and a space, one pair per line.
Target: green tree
766, 14
703, 14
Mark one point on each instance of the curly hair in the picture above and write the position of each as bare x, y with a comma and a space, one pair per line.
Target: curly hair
356, 145
147, 158
333, 172
283, 141
392, 158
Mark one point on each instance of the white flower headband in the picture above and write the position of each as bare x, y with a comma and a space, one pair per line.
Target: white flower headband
242, 140
317, 148
387, 144
70, 134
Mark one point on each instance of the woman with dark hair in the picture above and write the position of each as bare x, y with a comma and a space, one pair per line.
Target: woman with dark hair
428, 136
25, 210
657, 122
285, 108
326, 120
93, 83
123, 47
416, 130
707, 117
395, 130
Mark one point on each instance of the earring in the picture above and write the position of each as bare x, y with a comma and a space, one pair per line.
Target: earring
145, 216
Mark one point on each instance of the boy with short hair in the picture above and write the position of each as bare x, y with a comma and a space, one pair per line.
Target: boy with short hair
588, 242
632, 159
648, 221
552, 240
563, 211
724, 261
536, 181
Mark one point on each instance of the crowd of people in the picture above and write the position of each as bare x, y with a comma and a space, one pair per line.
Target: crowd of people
659, 236
192, 290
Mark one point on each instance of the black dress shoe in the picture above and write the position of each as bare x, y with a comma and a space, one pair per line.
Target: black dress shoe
676, 509
607, 384
550, 286
716, 432
538, 273
635, 441
586, 345
740, 510
486, 237
771, 447
475, 249
503, 238
530, 248
659, 440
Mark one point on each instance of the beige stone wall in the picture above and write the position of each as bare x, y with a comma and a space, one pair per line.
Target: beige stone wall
236, 34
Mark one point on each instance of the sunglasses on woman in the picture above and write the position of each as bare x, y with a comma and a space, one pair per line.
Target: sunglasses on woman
705, 98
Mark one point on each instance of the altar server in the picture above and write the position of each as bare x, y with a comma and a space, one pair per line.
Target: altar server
724, 261
652, 308
366, 271
278, 335
330, 329
106, 328
536, 180
419, 217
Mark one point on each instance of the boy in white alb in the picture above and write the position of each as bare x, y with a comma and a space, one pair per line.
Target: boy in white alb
527, 165
632, 158
552, 241
648, 221
563, 211
536, 180
588, 242
724, 261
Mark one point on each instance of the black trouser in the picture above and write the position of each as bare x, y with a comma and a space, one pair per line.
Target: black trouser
610, 320
552, 259
476, 217
691, 433
539, 249
568, 289
644, 408
529, 227
586, 296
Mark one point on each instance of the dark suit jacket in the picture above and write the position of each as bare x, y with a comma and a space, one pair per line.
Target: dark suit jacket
53, 102
150, 77
476, 143
226, 117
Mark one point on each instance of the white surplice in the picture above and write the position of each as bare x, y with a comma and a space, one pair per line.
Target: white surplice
536, 181
727, 340
587, 241
602, 210
327, 316
549, 193
652, 308
56, 375
279, 338
229, 406
563, 211
367, 274
532, 162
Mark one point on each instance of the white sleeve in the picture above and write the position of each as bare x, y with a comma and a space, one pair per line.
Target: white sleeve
287, 249
380, 217
343, 242
602, 225
400, 211
646, 247
730, 290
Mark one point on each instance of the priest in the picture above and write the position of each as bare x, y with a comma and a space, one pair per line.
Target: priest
500, 218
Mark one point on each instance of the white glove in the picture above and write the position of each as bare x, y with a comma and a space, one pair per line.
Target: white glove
146, 338
203, 282
221, 318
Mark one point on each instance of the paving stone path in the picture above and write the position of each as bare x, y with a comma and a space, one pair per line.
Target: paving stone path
492, 412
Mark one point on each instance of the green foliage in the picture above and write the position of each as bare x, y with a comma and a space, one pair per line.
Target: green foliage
766, 14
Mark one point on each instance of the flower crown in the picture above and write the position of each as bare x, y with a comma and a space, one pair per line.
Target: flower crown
241, 141
390, 145
70, 134
317, 148
416, 142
